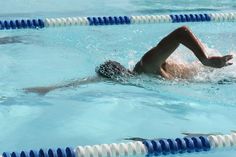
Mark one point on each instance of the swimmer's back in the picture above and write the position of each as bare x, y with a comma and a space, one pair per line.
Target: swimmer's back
180, 70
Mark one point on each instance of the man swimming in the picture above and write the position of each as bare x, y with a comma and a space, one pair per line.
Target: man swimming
153, 62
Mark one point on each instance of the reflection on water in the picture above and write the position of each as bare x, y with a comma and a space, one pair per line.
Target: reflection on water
22, 39
181, 5
168, 11
2, 98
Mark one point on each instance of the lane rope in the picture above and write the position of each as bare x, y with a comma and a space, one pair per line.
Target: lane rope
153, 147
115, 20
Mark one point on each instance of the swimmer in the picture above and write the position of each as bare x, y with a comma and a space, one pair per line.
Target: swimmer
153, 62
186, 134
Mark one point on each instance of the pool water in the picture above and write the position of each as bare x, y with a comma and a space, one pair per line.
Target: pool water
107, 112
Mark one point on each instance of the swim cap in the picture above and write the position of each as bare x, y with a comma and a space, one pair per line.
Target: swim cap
113, 70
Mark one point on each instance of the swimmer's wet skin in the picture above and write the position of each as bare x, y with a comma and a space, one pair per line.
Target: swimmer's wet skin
153, 62
186, 134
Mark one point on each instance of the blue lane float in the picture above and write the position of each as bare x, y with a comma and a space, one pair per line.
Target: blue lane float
155, 147
115, 20
22, 24
67, 152
190, 18
177, 146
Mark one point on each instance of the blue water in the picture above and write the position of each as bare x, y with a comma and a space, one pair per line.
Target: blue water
107, 112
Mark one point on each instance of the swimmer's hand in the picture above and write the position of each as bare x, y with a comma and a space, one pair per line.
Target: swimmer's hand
135, 139
218, 62
188, 134
142, 139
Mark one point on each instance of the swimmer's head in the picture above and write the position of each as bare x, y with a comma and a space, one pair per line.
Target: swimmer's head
113, 70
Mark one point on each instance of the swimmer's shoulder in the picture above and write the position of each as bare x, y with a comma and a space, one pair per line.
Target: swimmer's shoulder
138, 68
160, 71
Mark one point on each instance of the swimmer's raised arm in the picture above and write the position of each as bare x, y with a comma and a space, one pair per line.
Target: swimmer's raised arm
155, 57
76, 83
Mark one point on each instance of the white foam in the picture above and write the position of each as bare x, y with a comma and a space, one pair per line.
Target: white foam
215, 74
206, 74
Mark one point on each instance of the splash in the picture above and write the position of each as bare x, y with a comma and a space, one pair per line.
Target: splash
226, 74
204, 75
